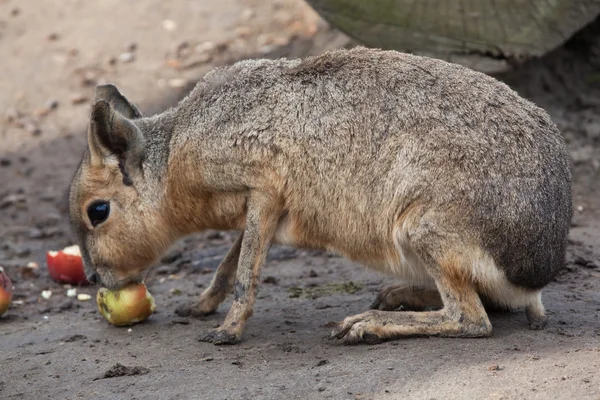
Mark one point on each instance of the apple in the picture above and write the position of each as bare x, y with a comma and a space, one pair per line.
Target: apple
66, 266
127, 306
5, 291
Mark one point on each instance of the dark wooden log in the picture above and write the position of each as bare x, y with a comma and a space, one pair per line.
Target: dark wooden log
511, 30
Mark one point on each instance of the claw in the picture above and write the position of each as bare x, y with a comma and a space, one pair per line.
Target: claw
340, 331
190, 310
219, 336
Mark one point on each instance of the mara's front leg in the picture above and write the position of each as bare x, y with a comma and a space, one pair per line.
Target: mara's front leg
261, 222
220, 286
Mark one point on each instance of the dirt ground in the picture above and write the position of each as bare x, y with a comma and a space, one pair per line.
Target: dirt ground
51, 58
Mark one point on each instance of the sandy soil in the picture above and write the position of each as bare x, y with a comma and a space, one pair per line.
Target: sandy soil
154, 51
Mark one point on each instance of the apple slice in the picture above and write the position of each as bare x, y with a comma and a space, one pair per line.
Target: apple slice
5, 291
66, 266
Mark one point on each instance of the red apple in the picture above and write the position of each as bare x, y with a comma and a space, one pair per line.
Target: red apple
5, 291
66, 266
125, 307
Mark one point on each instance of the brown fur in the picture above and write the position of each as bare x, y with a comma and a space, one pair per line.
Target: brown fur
422, 169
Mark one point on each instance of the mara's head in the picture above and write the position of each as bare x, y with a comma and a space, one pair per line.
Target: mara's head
115, 200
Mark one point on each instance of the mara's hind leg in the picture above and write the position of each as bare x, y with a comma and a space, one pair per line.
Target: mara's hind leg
536, 313
449, 264
407, 297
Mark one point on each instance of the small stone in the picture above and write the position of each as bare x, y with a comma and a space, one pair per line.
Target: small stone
205, 47
126, 57
35, 233
83, 297
15, 12
171, 256
267, 49
11, 199
11, 115
71, 292
53, 37
66, 305
5, 162
131, 47
270, 279
166, 270
46, 294
169, 25
177, 83
89, 78
247, 14
51, 104
78, 98
242, 31
312, 274
30, 271
31, 127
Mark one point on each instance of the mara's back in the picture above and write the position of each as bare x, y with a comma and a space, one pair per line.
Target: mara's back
360, 136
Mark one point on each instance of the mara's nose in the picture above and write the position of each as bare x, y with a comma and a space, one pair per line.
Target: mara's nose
93, 278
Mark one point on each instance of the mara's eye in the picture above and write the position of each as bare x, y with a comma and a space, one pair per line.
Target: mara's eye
98, 212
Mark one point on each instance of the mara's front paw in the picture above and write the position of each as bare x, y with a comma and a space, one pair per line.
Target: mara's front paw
220, 336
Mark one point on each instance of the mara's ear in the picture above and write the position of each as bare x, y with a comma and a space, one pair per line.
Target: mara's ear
111, 134
111, 94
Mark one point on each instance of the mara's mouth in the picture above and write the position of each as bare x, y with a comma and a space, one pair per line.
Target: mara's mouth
119, 284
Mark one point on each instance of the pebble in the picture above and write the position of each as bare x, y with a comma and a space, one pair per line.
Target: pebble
177, 83
46, 294
170, 256
5, 162
11, 115
71, 292
11, 199
66, 305
78, 98
31, 127
205, 47
169, 25
126, 57
51, 104
83, 297
30, 271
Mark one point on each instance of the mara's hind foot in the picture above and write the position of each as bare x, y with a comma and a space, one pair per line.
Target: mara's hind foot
536, 313
376, 326
405, 297
463, 315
